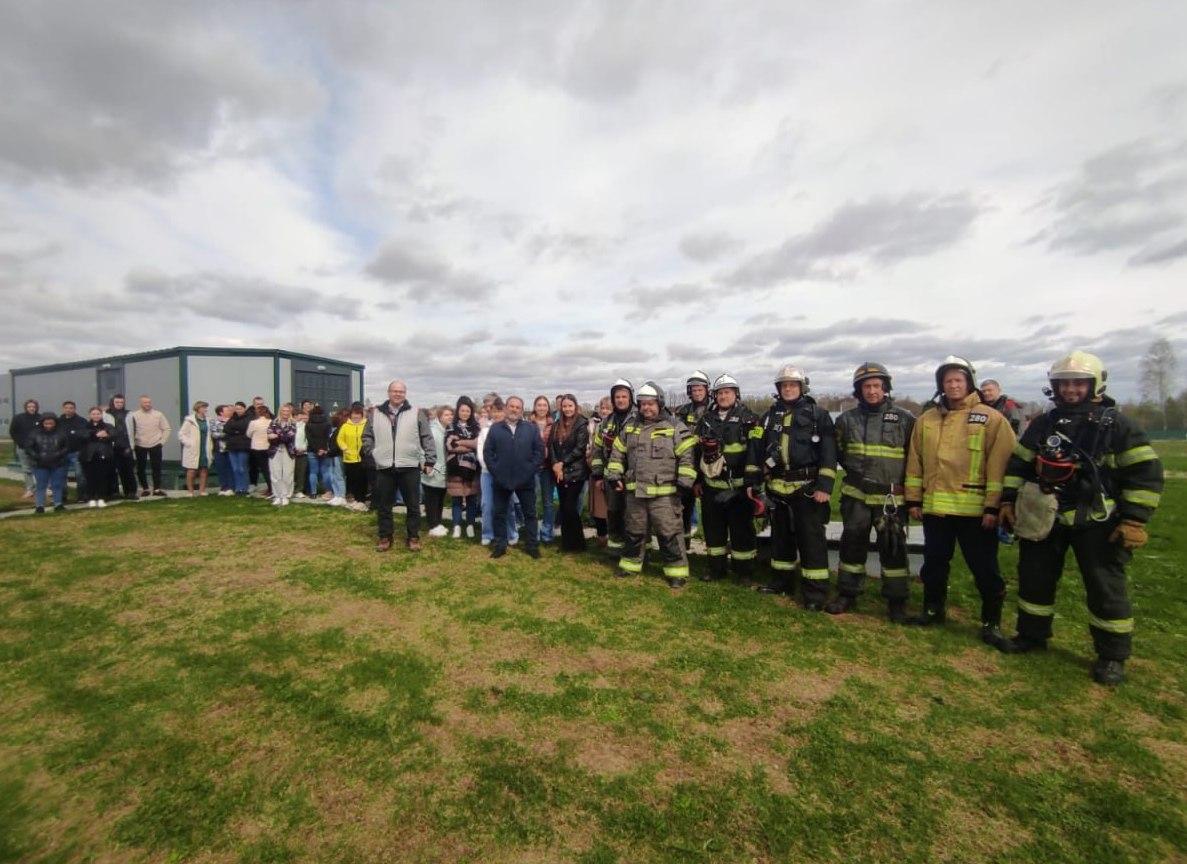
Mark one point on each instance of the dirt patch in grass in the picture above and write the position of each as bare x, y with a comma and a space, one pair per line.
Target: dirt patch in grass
977, 663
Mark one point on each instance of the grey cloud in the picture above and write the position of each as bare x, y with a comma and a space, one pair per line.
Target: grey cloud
881, 230
707, 246
237, 299
652, 298
1128, 197
1159, 254
131, 90
401, 265
571, 245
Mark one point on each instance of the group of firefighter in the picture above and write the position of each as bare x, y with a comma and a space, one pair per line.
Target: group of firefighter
1082, 476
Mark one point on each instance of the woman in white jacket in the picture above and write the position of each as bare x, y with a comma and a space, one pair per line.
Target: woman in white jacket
197, 448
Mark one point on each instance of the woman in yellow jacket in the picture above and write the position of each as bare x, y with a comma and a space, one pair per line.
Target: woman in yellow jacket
956, 462
350, 441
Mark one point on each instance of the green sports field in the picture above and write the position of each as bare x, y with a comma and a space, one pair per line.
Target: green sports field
220, 681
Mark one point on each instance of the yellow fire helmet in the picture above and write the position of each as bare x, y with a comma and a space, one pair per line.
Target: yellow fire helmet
1080, 365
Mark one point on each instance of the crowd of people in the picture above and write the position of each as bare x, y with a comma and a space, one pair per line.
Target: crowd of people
1080, 477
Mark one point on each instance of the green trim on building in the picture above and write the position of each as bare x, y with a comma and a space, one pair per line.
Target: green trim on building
187, 350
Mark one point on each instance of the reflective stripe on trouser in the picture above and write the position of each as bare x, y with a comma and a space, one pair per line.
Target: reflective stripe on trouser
615, 514
797, 534
1102, 567
858, 518
979, 548
659, 516
730, 524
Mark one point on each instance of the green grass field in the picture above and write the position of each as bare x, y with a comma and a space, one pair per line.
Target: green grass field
220, 681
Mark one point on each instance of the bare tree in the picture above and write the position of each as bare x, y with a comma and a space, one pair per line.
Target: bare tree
1158, 374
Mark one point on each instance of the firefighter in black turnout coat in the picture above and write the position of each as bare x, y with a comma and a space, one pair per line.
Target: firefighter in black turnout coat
799, 462
1083, 477
728, 473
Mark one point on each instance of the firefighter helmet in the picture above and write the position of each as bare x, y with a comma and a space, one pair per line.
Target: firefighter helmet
724, 381
954, 362
650, 390
622, 382
869, 370
1080, 365
697, 377
792, 373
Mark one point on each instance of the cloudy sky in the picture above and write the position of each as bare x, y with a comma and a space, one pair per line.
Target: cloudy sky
541, 196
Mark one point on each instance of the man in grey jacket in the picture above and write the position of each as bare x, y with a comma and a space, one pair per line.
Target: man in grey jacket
397, 440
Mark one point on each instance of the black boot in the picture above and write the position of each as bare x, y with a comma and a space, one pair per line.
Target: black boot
928, 616
1024, 645
991, 634
842, 604
1108, 672
675, 582
896, 611
716, 570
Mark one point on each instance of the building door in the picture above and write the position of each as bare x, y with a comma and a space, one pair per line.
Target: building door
111, 381
329, 390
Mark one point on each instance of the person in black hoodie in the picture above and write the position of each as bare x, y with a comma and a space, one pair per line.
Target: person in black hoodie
238, 445
22, 427
74, 427
50, 451
317, 440
125, 459
98, 458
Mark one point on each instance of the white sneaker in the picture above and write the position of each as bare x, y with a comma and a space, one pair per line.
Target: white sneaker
275, 502
470, 531
92, 503
227, 492
439, 531
485, 542
457, 532
102, 503
513, 542
336, 502
300, 495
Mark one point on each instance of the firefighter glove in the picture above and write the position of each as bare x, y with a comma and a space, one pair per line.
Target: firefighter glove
1130, 534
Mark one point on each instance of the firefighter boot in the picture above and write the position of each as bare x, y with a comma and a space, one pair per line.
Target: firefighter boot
841, 604
896, 611
1025, 644
928, 616
1108, 672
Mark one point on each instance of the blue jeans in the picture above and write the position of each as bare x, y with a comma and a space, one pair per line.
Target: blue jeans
74, 466
55, 479
222, 467
238, 459
27, 467
488, 511
546, 484
318, 472
471, 508
337, 478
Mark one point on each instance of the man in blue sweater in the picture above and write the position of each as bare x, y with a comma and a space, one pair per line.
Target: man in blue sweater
513, 453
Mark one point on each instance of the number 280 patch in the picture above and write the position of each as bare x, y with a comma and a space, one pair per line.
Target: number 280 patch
978, 418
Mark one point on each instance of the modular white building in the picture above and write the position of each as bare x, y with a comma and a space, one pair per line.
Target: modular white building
176, 378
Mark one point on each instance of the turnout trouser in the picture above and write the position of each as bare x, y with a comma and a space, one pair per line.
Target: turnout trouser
151, 455
858, 519
729, 531
979, 547
798, 546
659, 516
1102, 567
688, 503
384, 496
615, 519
